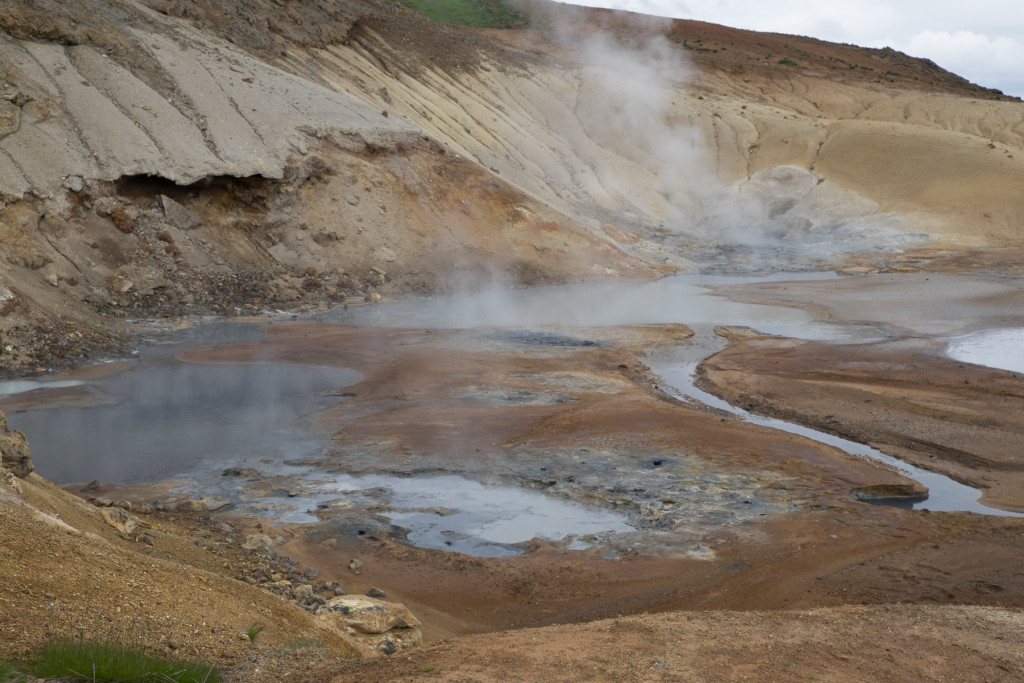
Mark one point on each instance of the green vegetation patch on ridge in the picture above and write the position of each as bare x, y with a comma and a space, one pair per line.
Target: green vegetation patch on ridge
113, 662
481, 13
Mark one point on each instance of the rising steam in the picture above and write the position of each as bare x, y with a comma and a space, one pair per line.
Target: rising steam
662, 143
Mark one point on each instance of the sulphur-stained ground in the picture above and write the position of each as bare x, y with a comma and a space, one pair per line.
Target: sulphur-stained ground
801, 581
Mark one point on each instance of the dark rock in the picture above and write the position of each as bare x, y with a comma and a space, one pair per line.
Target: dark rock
247, 472
376, 593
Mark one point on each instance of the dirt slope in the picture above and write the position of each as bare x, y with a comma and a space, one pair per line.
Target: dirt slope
853, 644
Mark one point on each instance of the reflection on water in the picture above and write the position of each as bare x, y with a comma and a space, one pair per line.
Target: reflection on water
678, 299
165, 418
1003, 349
20, 386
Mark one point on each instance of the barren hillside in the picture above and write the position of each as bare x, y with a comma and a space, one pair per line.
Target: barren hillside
175, 157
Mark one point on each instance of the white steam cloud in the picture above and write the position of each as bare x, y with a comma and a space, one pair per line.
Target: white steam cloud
658, 164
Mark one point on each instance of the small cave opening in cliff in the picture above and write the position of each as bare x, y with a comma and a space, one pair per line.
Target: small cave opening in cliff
251, 191
146, 186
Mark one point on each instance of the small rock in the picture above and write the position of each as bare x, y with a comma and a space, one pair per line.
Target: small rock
74, 183
203, 504
376, 593
303, 592
354, 565
241, 472
311, 572
10, 118
8, 479
261, 544
121, 520
180, 216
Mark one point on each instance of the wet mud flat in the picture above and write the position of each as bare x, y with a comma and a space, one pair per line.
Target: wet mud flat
709, 511
913, 394
724, 513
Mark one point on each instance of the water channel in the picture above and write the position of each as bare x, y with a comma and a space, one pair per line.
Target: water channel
165, 419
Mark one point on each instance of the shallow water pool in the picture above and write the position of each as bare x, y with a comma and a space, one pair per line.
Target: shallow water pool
1002, 348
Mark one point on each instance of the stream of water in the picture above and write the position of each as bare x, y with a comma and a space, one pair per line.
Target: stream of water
676, 366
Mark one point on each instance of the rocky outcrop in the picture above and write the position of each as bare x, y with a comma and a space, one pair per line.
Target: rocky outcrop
14, 452
197, 108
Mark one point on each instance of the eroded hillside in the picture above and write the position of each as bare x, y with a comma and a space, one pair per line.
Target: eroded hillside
171, 157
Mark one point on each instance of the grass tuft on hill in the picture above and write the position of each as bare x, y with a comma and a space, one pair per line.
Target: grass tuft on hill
10, 673
113, 663
481, 13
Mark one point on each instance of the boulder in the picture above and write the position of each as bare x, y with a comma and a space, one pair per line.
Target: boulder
377, 626
14, 453
366, 614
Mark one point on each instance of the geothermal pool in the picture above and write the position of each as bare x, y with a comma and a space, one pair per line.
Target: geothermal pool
165, 419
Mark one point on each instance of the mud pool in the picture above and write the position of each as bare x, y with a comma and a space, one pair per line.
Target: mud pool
165, 419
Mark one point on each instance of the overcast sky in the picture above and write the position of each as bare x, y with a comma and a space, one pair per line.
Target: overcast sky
981, 40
